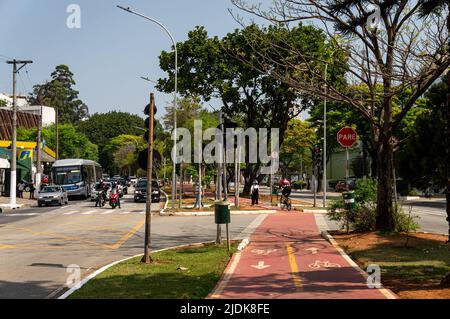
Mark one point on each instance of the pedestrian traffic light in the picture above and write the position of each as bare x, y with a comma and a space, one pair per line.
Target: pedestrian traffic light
317, 155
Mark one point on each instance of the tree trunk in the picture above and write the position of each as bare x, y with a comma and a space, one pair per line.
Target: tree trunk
385, 211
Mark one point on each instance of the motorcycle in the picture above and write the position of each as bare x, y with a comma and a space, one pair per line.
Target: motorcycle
101, 199
114, 199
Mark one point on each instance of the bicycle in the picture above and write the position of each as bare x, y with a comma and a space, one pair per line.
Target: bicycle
285, 203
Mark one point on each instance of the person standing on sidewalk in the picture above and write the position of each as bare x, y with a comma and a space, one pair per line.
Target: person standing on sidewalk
20, 189
254, 191
32, 189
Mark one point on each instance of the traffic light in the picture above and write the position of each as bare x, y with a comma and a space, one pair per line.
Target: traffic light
317, 156
147, 122
143, 155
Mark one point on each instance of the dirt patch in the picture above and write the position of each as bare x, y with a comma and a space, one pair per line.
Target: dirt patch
412, 265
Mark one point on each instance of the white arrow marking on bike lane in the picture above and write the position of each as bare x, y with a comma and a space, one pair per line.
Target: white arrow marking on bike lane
260, 265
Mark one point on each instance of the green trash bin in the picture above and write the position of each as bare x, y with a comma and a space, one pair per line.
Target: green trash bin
222, 212
274, 190
349, 200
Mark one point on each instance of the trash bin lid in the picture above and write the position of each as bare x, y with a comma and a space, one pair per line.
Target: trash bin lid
222, 202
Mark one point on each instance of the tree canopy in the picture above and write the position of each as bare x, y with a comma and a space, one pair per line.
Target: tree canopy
60, 94
72, 143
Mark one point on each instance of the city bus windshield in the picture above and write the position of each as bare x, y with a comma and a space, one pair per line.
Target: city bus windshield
67, 175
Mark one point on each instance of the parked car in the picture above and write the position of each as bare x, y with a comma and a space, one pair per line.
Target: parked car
52, 195
140, 192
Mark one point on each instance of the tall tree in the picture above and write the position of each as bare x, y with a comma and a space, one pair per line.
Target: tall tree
299, 138
216, 68
101, 127
433, 7
73, 144
389, 50
60, 94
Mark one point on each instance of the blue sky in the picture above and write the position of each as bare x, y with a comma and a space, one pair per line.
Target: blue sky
110, 51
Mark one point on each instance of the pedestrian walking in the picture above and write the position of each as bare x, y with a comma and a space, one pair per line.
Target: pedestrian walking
20, 189
254, 192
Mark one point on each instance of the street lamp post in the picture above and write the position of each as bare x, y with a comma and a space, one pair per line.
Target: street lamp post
325, 143
174, 178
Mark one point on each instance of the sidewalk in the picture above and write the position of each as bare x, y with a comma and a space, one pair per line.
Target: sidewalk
288, 259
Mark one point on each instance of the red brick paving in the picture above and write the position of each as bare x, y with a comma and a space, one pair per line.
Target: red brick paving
325, 274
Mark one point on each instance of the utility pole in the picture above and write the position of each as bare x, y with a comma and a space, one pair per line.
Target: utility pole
57, 131
148, 207
13, 184
224, 160
38, 146
164, 183
219, 178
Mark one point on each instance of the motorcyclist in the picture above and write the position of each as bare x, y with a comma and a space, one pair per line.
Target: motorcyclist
115, 190
101, 188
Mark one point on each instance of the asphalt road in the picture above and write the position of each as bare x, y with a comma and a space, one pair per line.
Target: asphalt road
38, 244
431, 213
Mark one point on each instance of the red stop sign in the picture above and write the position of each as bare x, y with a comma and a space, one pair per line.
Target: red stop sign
347, 137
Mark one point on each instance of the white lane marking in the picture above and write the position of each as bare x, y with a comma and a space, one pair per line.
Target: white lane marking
125, 213
70, 213
20, 214
88, 212
251, 227
107, 212
313, 250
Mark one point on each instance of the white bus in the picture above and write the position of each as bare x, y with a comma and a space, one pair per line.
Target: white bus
76, 176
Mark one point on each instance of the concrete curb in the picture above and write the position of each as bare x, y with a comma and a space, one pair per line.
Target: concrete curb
233, 212
314, 211
386, 292
161, 212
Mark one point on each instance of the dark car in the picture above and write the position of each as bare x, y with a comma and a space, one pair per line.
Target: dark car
140, 192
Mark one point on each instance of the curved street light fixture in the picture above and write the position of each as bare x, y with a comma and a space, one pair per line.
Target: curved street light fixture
174, 178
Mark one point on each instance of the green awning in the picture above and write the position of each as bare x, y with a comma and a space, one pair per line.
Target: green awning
5, 153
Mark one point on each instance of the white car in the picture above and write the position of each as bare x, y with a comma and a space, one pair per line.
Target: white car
52, 195
133, 180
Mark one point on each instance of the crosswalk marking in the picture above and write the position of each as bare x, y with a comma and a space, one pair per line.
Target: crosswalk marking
70, 213
88, 212
20, 214
125, 213
107, 212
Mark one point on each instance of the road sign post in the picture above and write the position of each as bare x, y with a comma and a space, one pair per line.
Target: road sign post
347, 137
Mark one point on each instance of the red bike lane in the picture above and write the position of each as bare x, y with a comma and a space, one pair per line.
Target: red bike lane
288, 259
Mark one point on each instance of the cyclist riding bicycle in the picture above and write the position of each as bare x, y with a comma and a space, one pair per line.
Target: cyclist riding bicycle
285, 193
